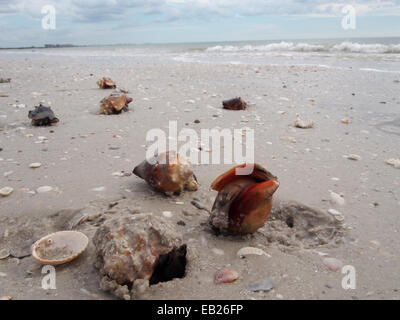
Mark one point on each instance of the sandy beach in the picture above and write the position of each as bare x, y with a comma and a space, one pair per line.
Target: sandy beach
81, 154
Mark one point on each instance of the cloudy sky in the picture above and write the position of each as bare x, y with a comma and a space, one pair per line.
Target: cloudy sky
158, 21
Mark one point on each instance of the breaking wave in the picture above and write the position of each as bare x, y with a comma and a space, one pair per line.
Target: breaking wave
346, 47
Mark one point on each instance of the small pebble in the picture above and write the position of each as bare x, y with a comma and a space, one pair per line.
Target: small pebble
354, 157
167, 214
264, 285
35, 165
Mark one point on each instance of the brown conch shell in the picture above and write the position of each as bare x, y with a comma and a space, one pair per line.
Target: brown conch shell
138, 249
115, 104
235, 104
60, 247
106, 83
168, 172
244, 201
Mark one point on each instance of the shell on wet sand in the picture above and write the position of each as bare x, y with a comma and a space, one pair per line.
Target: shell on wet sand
142, 247
251, 251
115, 104
168, 172
225, 275
106, 83
60, 247
302, 124
235, 104
6, 191
42, 116
244, 199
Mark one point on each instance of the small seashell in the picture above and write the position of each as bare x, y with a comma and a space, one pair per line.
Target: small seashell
225, 275
346, 121
6, 191
4, 254
167, 214
333, 264
337, 199
251, 251
99, 189
394, 162
264, 285
118, 174
337, 215
290, 139
6, 298
354, 157
60, 247
44, 189
304, 124
35, 165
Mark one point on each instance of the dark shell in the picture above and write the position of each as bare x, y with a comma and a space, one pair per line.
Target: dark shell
42, 116
235, 104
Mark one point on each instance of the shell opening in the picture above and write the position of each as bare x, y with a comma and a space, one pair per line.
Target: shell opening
170, 266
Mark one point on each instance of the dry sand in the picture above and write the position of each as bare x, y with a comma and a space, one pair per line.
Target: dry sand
80, 154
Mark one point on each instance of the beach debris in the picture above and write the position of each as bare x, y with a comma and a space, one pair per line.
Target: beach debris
299, 123
115, 104
225, 275
8, 80
35, 165
42, 116
6, 191
354, 157
60, 247
141, 249
337, 198
106, 83
6, 298
4, 254
251, 251
289, 139
44, 189
333, 264
199, 205
167, 214
263, 285
394, 163
346, 121
235, 104
336, 214
168, 172
243, 202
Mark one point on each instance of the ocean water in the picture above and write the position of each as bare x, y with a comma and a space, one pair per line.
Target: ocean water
367, 54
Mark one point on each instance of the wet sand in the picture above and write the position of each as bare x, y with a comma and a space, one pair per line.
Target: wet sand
81, 153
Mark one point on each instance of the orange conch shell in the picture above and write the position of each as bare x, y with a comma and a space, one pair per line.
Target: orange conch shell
168, 172
115, 104
106, 83
244, 201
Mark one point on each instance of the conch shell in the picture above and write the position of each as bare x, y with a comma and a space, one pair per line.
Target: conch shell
244, 201
168, 172
106, 83
115, 104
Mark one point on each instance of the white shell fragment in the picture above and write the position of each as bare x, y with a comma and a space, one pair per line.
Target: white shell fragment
6, 191
337, 199
4, 254
251, 251
44, 189
354, 157
336, 214
394, 162
35, 165
60, 247
299, 123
